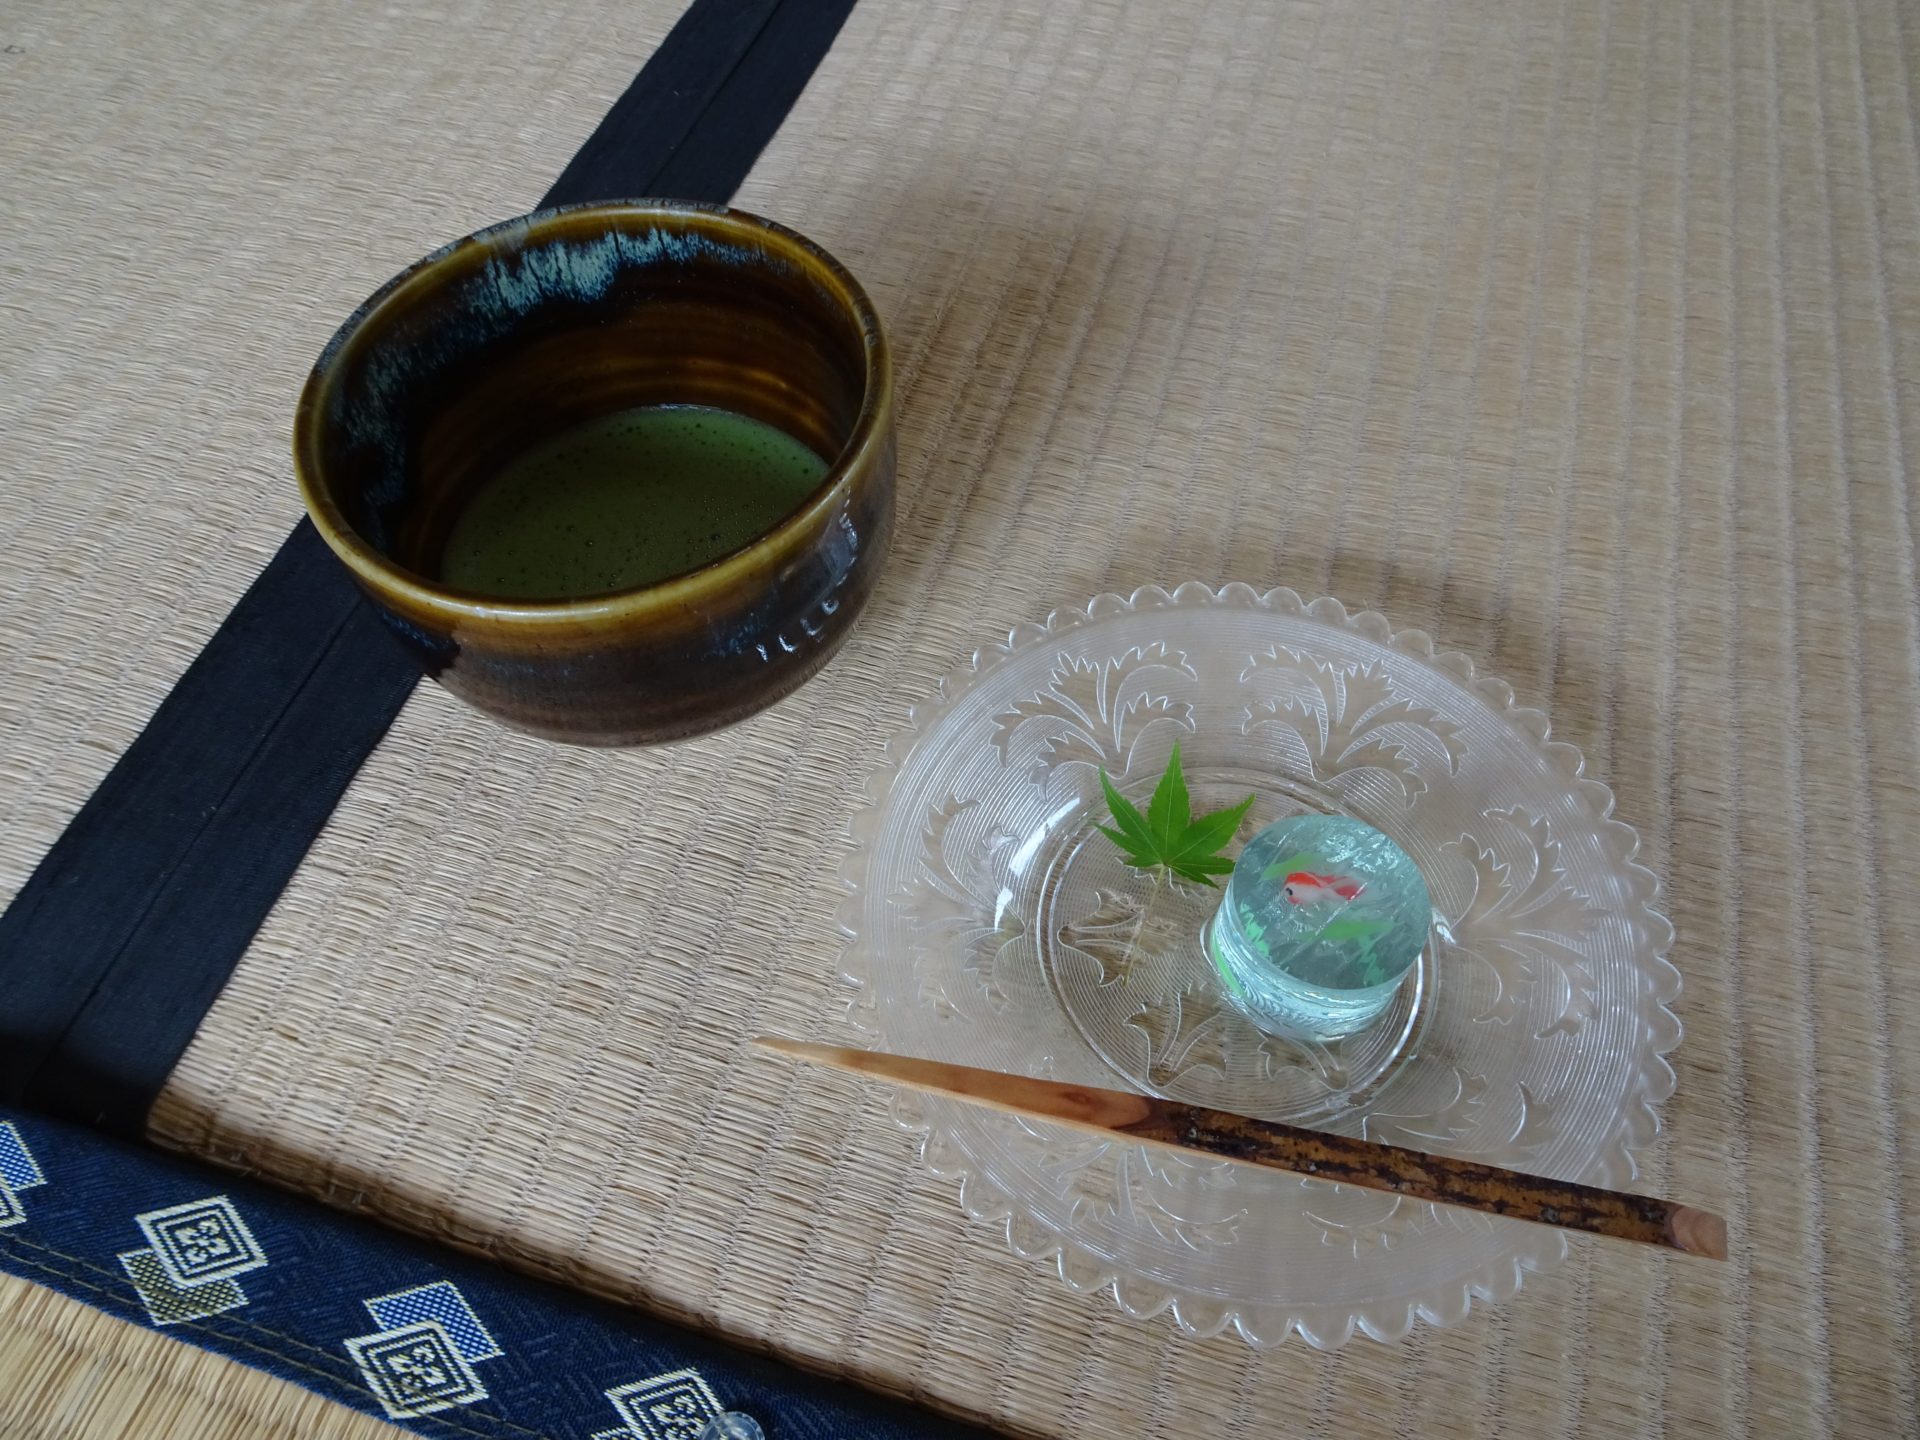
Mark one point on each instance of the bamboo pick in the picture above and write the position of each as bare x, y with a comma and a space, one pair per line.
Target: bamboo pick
1350, 1161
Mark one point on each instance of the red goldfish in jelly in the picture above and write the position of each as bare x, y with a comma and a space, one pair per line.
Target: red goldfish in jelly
1303, 887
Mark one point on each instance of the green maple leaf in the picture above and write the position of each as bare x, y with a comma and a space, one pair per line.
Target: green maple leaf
1168, 834
1353, 929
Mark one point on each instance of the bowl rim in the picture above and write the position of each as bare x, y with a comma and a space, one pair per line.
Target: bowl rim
449, 606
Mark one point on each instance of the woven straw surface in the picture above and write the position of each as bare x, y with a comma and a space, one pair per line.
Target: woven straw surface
1585, 336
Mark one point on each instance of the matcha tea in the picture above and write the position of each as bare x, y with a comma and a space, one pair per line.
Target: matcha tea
625, 500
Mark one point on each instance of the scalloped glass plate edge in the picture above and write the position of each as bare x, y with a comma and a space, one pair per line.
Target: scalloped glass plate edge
1327, 1327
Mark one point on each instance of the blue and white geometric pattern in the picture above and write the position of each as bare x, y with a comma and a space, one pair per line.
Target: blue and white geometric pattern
440, 1301
674, 1406
416, 1370
170, 1304
421, 1358
435, 1309
188, 1272
18, 1171
202, 1240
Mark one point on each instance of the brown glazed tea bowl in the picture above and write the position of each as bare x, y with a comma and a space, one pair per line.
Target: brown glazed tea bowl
502, 339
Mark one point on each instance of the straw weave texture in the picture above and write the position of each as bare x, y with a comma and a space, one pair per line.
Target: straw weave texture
1584, 336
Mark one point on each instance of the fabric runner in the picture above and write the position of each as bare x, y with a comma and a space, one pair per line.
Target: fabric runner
434, 1341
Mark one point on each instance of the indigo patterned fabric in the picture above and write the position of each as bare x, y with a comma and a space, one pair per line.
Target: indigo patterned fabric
440, 1343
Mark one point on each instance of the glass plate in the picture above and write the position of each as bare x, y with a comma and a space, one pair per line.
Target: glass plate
989, 923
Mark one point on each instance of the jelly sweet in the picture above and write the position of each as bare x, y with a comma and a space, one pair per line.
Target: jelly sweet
1322, 920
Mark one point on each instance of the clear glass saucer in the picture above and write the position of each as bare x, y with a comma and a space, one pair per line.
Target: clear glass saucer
989, 923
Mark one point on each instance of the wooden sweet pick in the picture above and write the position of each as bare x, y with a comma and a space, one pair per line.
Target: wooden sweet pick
1366, 1163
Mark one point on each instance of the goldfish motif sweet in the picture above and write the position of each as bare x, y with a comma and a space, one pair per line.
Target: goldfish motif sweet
1323, 918
1303, 887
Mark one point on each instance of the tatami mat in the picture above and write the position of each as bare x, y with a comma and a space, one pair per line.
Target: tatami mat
73, 1373
1583, 336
